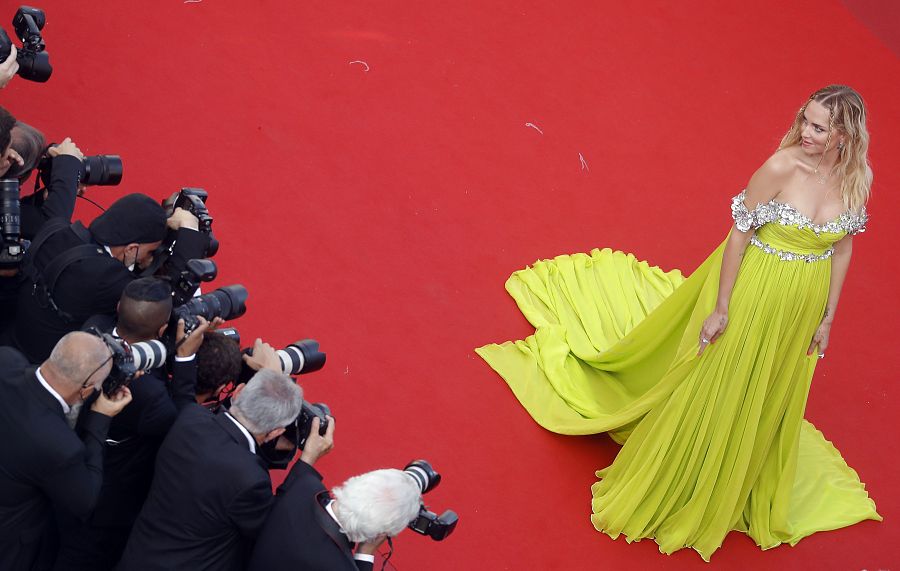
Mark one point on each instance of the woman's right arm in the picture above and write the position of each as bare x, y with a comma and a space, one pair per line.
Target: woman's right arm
764, 185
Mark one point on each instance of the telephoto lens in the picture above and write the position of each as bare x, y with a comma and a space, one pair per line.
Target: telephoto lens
301, 357
424, 475
101, 170
10, 220
227, 302
128, 359
10, 223
148, 354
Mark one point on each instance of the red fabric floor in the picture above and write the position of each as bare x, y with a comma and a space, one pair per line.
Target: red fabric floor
380, 212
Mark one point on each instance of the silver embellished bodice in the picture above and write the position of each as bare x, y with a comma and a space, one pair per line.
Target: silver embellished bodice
784, 231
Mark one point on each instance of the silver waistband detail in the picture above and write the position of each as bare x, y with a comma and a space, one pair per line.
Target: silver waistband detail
790, 256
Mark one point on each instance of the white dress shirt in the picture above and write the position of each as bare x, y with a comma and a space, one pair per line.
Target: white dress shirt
40, 377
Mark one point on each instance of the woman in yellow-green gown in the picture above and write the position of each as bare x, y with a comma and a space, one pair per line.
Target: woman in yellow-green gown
705, 379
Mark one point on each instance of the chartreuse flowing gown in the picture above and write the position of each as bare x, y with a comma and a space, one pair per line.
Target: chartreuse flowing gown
712, 443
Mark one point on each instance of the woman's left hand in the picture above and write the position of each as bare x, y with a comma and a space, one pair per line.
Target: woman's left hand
820, 338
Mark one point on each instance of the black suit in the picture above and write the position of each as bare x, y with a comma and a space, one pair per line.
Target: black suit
62, 189
299, 533
35, 210
210, 495
90, 286
135, 435
42, 463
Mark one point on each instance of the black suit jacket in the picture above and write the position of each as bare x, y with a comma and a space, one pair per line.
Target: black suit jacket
210, 495
42, 463
135, 435
62, 189
299, 533
87, 287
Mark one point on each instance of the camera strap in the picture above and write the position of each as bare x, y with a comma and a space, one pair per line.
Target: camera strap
45, 279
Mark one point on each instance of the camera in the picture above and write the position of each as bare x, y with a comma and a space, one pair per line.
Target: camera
194, 201
187, 282
34, 62
303, 424
96, 170
437, 527
128, 359
298, 358
227, 302
301, 357
277, 457
11, 250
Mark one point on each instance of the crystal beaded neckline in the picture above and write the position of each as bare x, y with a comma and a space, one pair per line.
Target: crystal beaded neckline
786, 215
806, 219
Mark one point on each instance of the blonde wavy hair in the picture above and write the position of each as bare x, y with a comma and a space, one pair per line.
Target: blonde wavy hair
848, 114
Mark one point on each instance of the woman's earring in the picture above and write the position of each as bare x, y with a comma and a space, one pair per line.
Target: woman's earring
841, 146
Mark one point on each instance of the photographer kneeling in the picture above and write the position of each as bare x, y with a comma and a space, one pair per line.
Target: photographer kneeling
308, 529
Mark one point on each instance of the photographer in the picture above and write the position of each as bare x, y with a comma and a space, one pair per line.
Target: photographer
211, 492
57, 200
28, 144
134, 435
72, 272
43, 462
218, 364
309, 529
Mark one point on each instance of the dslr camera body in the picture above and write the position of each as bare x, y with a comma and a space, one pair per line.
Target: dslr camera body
34, 61
437, 527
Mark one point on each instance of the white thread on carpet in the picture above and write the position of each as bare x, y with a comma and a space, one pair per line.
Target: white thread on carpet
361, 62
535, 127
584, 165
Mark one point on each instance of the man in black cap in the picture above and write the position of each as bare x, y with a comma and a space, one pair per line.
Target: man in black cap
72, 272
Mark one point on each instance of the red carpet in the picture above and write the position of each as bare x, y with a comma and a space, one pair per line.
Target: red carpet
380, 212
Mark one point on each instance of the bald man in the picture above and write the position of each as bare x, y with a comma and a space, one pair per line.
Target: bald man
43, 462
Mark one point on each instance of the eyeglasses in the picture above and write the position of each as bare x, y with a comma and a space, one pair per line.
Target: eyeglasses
86, 384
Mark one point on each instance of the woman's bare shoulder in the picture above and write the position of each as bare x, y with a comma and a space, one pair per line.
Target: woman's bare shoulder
782, 163
770, 178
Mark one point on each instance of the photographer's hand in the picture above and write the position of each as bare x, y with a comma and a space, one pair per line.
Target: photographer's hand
370, 547
113, 404
263, 357
67, 147
182, 218
317, 445
189, 344
10, 157
9, 67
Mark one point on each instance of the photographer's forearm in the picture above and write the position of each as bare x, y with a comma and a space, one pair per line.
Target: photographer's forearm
189, 244
63, 187
184, 381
